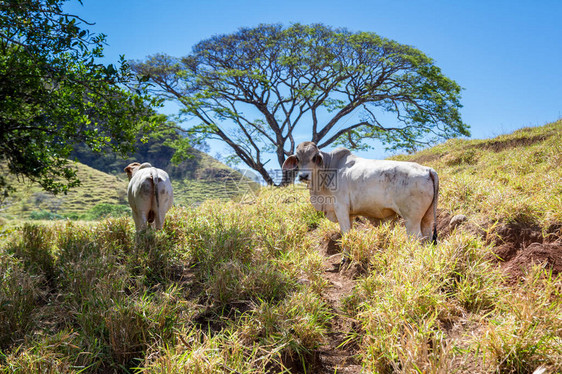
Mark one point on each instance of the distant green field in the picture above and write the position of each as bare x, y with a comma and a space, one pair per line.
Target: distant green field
189, 192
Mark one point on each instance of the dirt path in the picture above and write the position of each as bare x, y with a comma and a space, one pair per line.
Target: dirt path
335, 356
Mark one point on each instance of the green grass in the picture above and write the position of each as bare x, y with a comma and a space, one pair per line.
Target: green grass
240, 287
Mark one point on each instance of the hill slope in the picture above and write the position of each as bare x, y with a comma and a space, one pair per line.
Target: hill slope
100, 192
96, 188
513, 178
255, 287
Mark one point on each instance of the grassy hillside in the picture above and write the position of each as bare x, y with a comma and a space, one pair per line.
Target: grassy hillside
211, 180
100, 193
96, 188
231, 287
513, 178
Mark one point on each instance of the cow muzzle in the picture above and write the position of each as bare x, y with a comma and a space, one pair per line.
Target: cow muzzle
304, 177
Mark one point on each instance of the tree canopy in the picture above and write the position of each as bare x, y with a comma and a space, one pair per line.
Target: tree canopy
257, 88
54, 93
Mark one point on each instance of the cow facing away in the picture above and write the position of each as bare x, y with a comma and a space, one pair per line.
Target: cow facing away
150, 195
344, 186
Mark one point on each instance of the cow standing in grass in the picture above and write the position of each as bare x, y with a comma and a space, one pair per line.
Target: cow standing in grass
343, 186
150, 195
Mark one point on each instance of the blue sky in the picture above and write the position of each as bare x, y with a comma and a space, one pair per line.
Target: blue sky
507, 55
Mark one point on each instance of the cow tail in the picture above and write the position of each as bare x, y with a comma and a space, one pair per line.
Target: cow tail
435, 179
154, 175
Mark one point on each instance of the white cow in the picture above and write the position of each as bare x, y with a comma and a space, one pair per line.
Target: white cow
343, 186
150, 194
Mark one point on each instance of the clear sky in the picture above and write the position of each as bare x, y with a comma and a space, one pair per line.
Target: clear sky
507, 55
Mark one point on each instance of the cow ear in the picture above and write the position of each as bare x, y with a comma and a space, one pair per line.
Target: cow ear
291, 163
318, 159
129, 171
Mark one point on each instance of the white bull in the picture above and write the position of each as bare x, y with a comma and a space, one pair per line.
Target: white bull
343, 186
150, 195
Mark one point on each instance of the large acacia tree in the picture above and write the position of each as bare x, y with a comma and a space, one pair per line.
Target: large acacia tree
54, 93
257, 88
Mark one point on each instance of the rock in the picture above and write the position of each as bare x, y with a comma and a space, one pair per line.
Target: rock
458, 220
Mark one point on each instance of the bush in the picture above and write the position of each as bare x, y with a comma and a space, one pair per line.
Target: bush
44, 215
105, 210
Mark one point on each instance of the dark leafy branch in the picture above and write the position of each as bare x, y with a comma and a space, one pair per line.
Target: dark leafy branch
55, 94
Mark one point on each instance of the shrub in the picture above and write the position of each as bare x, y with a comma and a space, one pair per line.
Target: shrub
44, 215
105, 210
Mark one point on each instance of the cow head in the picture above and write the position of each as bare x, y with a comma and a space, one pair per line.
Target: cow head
131, 169
307, 159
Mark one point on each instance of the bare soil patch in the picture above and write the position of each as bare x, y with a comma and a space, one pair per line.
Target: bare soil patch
520, 246
548, 255
446, 228
336, 354
516, 246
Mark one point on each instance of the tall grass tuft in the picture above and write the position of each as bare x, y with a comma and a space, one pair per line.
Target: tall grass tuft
526, 332
414, 294
36, 250
19, 292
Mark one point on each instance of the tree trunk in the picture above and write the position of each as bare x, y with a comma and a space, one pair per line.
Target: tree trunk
265, 175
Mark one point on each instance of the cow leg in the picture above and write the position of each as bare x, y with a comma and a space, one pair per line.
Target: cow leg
138, 221
344, 219
141, 220
159, 221
413, 227
427, 226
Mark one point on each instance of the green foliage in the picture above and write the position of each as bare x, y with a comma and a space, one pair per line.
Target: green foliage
43, 214
253, 88
54, 94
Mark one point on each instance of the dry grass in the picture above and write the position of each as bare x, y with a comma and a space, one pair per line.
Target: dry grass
236, 287
514, 177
